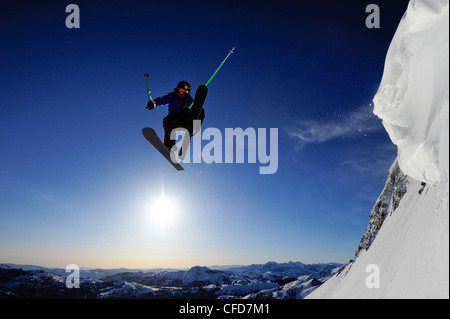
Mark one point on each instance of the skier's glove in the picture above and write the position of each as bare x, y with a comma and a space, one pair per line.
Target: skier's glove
186, 110
151, 105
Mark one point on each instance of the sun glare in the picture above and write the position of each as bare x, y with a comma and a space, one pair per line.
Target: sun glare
163, 211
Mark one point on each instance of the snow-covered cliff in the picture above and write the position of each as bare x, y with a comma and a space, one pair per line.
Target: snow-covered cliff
404, 252
413, 98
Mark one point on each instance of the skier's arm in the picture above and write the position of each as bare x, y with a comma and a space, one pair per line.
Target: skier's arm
159, 101
164, 99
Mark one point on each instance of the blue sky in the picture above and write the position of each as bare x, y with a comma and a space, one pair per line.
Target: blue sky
78, 180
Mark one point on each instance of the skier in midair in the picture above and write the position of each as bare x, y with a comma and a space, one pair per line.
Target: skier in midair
179, 101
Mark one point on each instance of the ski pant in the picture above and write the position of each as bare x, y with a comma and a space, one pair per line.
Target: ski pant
172, 121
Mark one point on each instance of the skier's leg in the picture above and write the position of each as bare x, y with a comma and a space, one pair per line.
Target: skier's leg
169, 123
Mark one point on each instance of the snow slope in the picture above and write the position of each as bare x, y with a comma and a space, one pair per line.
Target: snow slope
410, 250
406, 245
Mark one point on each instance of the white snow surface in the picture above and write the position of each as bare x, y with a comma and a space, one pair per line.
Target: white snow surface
411, 249
413, 97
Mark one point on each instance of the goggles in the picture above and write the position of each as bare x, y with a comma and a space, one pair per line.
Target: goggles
184, 92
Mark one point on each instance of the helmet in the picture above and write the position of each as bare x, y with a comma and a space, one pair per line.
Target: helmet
184, 85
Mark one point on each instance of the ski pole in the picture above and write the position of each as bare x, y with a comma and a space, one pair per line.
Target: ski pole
148, 92
232, 51
217, 70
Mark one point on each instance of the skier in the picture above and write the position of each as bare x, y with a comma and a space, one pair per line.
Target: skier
179, 102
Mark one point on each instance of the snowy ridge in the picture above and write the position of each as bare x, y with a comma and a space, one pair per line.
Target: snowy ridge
407, 238
126, 290
198, 282
280, 271
204, 275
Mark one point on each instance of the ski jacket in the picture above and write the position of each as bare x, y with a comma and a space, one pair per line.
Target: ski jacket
176, 104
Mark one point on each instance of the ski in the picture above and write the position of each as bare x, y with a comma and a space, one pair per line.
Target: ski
196, 109
154, 139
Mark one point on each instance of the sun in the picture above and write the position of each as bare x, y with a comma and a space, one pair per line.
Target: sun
163, 211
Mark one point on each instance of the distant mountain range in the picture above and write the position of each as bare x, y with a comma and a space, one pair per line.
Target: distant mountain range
293, 280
